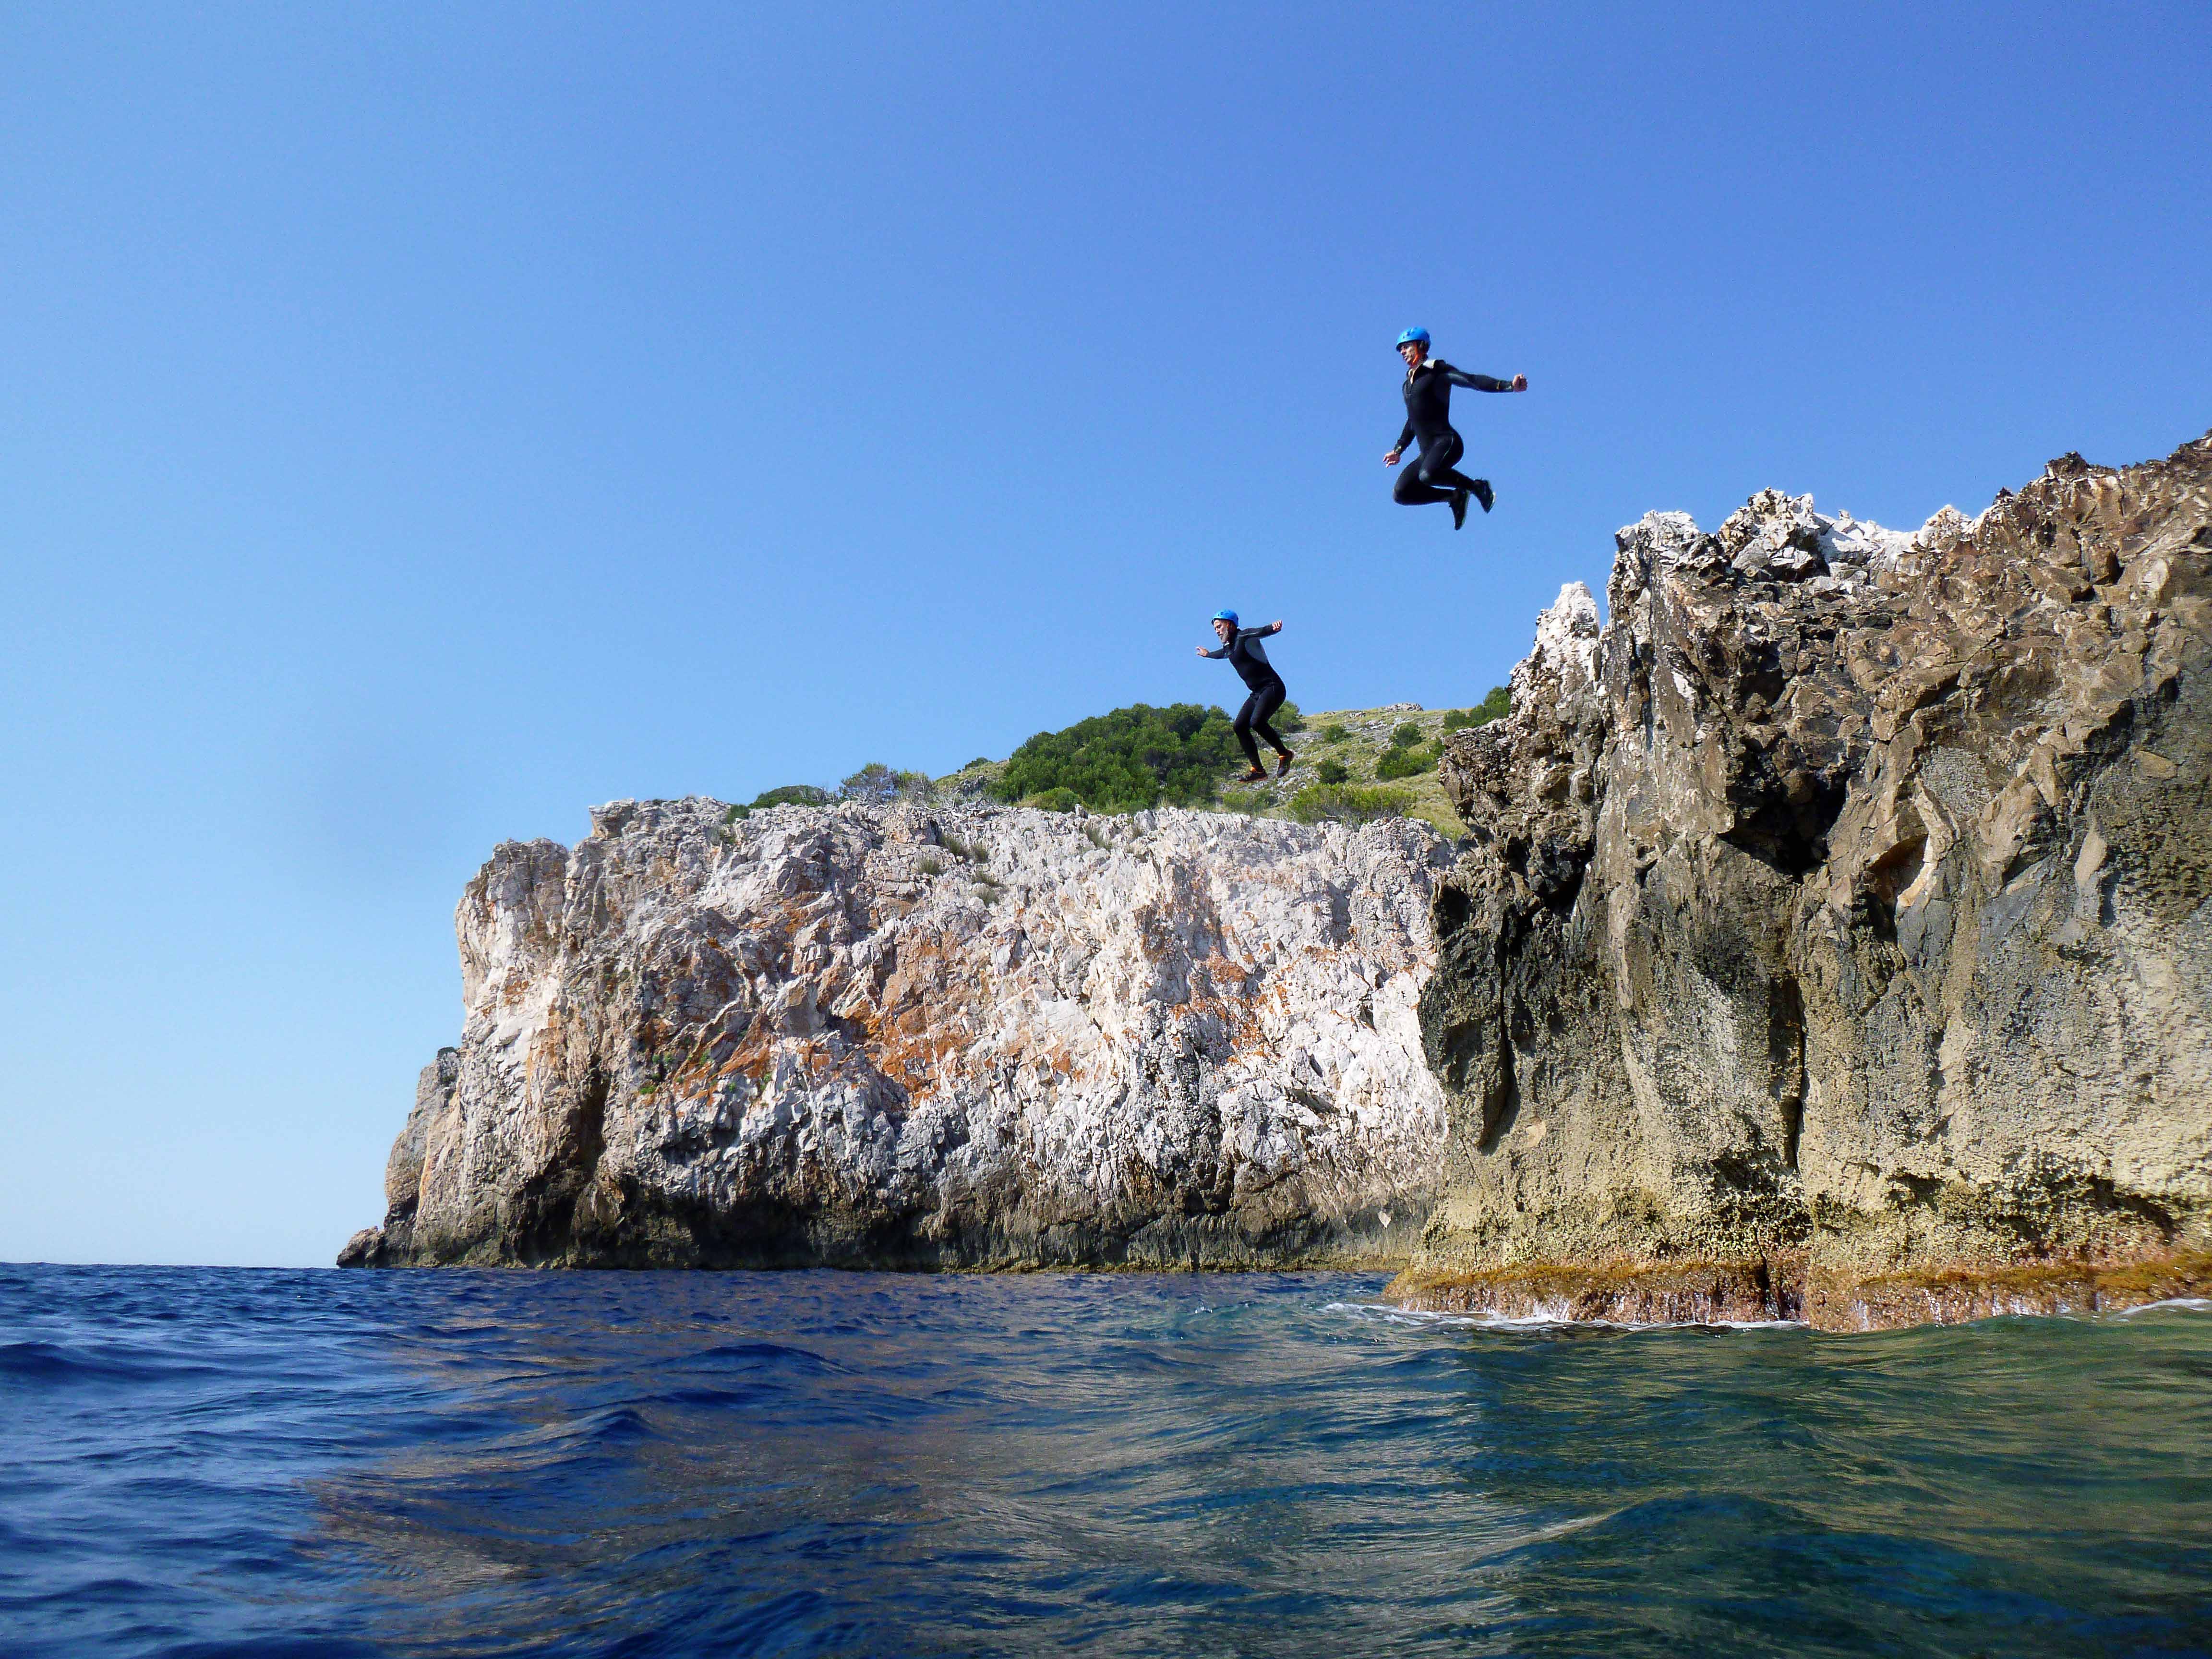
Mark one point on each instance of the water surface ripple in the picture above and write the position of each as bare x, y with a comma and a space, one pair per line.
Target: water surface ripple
201, 1462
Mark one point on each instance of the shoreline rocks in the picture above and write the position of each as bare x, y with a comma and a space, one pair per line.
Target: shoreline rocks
1831, 942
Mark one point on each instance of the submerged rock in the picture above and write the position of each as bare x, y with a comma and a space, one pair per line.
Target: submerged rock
895, 1038
1832, 936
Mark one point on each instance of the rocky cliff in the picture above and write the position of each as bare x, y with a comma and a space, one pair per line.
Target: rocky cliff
966, 1037
1833, 938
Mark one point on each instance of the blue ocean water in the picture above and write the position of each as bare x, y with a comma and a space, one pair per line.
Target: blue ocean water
201, 1462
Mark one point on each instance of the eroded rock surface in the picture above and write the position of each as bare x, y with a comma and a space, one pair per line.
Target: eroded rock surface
1834, 929
962, 1038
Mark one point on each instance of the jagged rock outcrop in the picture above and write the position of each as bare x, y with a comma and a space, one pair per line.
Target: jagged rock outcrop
1833, 936
964, 1037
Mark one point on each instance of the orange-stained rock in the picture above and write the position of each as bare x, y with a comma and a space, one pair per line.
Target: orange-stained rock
958, 1037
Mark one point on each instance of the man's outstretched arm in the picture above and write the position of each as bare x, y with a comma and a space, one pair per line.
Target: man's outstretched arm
1484, 383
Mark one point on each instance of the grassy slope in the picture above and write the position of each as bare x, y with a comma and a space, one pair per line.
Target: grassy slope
1367, 734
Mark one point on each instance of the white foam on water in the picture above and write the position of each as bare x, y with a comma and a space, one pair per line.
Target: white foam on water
2186, 1303
1416, 1318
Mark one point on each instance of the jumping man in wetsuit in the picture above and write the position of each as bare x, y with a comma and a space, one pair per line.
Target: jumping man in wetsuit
1241, 647
1432, 478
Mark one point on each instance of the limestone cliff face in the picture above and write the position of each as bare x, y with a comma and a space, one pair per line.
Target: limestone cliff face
965, 1037
1834, 936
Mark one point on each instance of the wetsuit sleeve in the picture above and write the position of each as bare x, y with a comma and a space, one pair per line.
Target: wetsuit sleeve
1476, 382
1217, 655
1405, 436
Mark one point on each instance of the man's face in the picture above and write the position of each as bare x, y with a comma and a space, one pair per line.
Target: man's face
1222, 629
1412, 351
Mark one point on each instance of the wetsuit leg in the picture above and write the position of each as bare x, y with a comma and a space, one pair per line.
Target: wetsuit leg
1411, 491
1253, 717
1440, 471
1433, 477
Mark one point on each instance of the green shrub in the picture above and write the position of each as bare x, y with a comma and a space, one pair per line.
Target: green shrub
1347, 803
1495, 707
1333, 771
1287, 718
791, 794
980, 759
1123, 761
1062, 799
876, 783
1247, 803
1405, 734
1405, 762
1334, 732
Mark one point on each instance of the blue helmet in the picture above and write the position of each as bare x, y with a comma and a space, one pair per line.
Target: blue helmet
1419, 337
1229, 617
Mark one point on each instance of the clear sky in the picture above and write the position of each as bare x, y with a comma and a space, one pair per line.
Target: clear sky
418, 424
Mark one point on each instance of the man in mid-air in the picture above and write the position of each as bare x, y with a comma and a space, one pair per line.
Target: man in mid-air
1433, 477
1242, 649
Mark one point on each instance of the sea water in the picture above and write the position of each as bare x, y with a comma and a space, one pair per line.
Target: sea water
199, 1462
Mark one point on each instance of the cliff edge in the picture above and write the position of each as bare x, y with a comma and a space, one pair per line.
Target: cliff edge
892, 1036
1832, 940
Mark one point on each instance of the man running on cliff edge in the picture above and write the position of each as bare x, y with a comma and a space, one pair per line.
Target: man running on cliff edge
1429, 381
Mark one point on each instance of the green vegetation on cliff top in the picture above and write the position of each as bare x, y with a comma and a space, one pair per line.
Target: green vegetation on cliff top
1352, 764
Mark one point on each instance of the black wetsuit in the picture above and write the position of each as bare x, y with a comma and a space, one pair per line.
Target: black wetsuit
1433, 478
1266, 687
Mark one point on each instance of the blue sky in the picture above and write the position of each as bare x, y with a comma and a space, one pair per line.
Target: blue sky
419, 423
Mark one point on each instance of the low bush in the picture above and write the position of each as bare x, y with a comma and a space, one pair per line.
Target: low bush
1054, 800
791, 794
1405, 734
1287, 718
1347, 803
876, 783
1334, 732
1495, 707
1405, 762
1330, 771
1128, 760
1247, 803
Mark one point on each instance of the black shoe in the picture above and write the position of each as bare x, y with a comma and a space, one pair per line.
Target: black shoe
1257, 774
1484, 494
1459, 508
1283, 766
